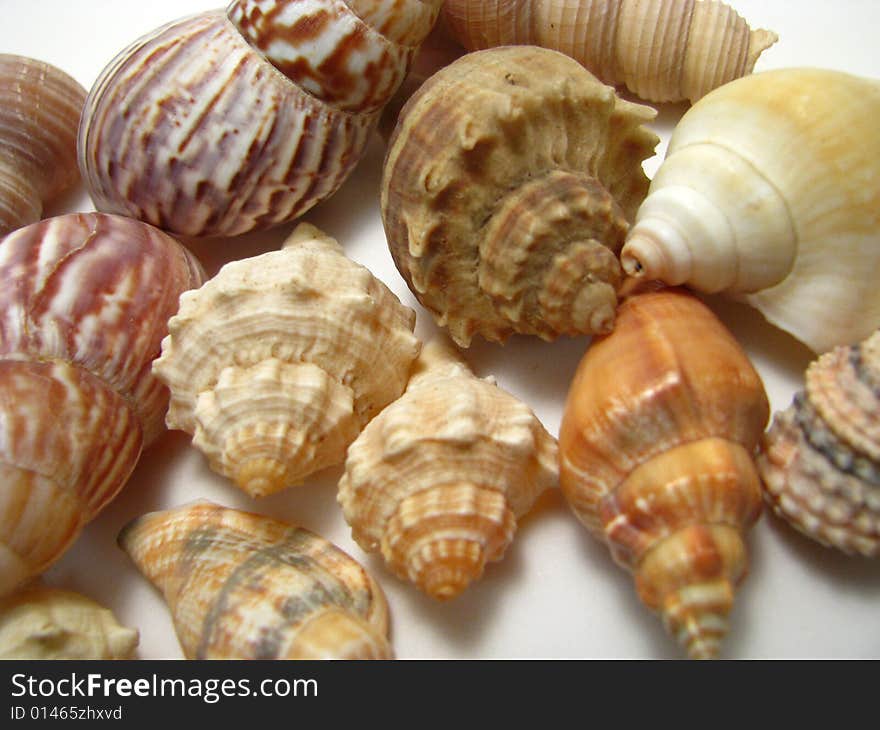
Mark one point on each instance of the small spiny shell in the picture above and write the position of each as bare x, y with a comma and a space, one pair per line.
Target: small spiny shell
277, 363
270, 108
770, 192
438, 479
47, 623
656, 449
508, 186
243, 586
662, 50
820, 460
40, 107
86, 302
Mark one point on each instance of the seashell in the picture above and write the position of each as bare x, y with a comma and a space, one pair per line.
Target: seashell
40, 107
278, 362
770, 193
662, 50
508, 186
437, 481
243, 586
87, 299
820, 459
227, 122
47, 623
656, 446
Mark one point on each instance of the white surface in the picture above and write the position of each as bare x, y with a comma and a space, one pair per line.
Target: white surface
556, 593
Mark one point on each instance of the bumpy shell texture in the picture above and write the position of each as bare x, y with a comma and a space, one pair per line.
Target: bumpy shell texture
40, 106
820, 460
243, 586
438, 479
223, 123
277, 363
86, 302
47, 623
663, 50
507, 190
770, 192
656, 445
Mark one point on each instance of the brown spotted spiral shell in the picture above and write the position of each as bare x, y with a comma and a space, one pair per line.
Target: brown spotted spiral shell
222, 123
86, 303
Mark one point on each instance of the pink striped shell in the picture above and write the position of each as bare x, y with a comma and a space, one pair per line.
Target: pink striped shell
193, 129
86, 302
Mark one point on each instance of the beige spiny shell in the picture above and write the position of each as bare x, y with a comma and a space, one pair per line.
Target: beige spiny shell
86, 302
662, 50
770, 192
656, 446
508, 186
222, 123
40, 106
243, 586
820, 460
47, 623
278, 362
437, 481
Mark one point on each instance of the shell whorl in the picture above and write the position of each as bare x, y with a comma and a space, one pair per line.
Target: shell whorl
88, 297
662, 50
192, 128
820, 460
243, 586
509, 181
40, 106
278, 362
769, 192
656, 449
436, 482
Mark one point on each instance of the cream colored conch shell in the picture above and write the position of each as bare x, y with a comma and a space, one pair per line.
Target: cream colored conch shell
86, 301
507, 190
656, 445
662, 50
223, 123
820, 460
47, 623
40, 106
243, 586
277, 363
437, 481
771, 192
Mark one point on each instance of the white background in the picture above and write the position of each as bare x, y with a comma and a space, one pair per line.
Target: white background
556, 594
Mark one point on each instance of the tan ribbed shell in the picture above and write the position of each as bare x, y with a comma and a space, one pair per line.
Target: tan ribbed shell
662, 50
243, 586
507, 190
222, 123
40, 106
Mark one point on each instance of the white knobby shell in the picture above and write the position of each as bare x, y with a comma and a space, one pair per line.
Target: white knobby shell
770, 192
277, 363
437, 480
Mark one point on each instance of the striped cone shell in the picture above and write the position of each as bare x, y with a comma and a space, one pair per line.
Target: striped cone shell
243, 586
223, 123
88, 297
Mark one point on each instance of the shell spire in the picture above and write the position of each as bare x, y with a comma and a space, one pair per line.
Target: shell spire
40, 106
243, 586
662, 50
656, 446
271, 108
277, 363
770, 192
87, 301
820, 460
508, 188
437, 481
